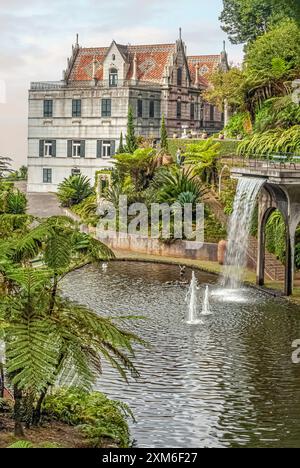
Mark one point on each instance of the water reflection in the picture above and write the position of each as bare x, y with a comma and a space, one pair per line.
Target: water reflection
227, 382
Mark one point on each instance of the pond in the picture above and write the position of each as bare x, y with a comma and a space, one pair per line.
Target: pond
228, 381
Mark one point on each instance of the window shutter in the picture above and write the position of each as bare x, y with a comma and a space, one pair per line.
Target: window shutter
41, 151
70, 144
82, 149
112, 147
54, 148
99, 148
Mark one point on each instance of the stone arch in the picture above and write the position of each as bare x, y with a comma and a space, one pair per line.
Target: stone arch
273, 198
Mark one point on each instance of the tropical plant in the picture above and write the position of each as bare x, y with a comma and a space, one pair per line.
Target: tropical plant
73, 190
138, 165
4, 166
121, 148
16, 202
272, 142
175, 184
49, 339
203, 158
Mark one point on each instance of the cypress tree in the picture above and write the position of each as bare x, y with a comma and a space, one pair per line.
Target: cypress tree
121, 148
131, 142
163, 135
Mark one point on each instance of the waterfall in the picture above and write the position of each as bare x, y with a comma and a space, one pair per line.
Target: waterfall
239, 230
206, 305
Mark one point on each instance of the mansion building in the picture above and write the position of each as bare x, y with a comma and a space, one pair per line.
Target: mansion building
75, 124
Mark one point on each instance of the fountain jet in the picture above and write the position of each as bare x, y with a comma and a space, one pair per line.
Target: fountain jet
192, 300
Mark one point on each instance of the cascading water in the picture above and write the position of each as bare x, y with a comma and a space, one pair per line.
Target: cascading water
206, 306
192, 300
239, 231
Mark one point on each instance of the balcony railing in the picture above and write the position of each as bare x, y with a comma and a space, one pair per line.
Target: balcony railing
53, 85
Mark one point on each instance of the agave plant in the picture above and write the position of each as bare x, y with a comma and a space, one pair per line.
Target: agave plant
73, 190
16, 202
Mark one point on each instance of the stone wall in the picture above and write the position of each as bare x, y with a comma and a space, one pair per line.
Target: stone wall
145, 245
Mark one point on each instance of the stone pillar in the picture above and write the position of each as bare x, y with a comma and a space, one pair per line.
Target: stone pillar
226, 113
261, 254
289, 267
134, 72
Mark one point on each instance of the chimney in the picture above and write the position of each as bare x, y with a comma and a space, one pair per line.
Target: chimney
134, 73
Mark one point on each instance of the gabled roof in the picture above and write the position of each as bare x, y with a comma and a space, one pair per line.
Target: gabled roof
206, 63
151, 61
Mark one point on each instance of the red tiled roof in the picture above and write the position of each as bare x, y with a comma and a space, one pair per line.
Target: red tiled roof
206, 63
151, 61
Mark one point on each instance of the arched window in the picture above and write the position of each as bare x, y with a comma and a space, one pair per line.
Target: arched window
113, 57
113, 77
179, 76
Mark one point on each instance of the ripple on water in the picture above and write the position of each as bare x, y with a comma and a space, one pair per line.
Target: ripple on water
226, 382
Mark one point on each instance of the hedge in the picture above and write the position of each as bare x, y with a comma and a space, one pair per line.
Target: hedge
228, 148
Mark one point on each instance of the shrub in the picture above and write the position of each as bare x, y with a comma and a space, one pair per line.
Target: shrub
16, 202
238, 125
73, 190
98, 416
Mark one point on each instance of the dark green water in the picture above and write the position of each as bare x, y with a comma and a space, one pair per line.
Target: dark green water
229, 382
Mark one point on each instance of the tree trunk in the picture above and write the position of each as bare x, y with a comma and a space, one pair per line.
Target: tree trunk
38, 409
19, 431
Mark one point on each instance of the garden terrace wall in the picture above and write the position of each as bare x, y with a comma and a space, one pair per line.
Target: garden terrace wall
145, 245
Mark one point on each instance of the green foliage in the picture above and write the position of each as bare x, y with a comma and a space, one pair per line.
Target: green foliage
245, 20
276, 235
87, 210
121, 148
227, 148
131, 141
237, 125
214, 231
16, 202
171, 184
138, 166
203, 157
228, 195
73, 190
272, 142
21, 444
277, 112
97, 416
163, 135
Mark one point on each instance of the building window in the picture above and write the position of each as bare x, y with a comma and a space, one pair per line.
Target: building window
106, 149
212, 113
48, 108
48, 146
192, 111
113, 77
47, 176
178, 109
76, 149
151, 109
140, 108
75, 171
179, 76
106, 107
113, 57
76, 108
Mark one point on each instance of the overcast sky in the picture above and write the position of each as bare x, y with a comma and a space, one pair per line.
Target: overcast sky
36, 38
